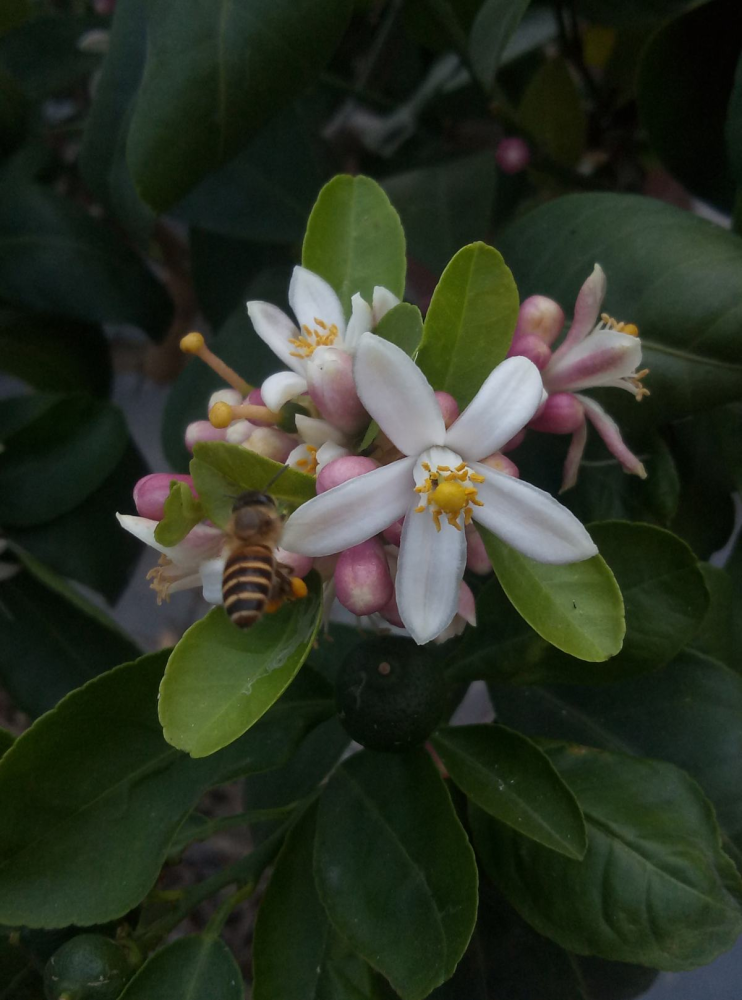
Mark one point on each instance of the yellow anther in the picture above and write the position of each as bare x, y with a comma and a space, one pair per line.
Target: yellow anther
426, 466
320, 323
192, 343
221, 415
475, 477
298, 587
419, 510
311, 339
461, 467
444, 468
632, 329
160, 580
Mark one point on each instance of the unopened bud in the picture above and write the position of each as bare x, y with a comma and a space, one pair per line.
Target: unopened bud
477, 559
202, 430
532, 347
513, 155
501, 463
540, 316
562, 413
514, 442
151, 492
448, 407
333, 390
340, 470
393, 534
239, 431
271, 443
363, 583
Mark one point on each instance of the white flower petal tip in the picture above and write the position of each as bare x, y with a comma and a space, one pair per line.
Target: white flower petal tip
361, 320
142, 528
317, 432
383, 302
314, 302
587, 308
278, 389
277, 330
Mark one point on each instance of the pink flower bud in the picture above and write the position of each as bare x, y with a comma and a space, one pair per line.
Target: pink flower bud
531, 346
501, 463
271, 443
151, 492
514, 442
340, 470
393, 534
561, 414
477, 559
512, 155
540, 316
202, 430
449, 407
333, 390
299, 565
256, 399
363, 583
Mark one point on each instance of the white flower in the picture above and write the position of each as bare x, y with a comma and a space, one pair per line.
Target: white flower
320, 443
440, 486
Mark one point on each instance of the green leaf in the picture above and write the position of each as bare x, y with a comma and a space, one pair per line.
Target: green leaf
493, 28
445, 206
225, 69
394, 868
220, 679
181, 512
683, 90
249, 471
470, 322
192, 968
654, 887
576, 607
110, 795
511, 779
734, 125
52, 464
551, 113
403, 326
20, 978
6, 741
681, 283
43, 55
354, 239
715, 638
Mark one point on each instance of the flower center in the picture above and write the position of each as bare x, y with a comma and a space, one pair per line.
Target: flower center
448, 492
309, 465
609, 323
321, 335
161, 579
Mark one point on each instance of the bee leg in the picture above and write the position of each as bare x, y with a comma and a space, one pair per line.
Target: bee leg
287, 587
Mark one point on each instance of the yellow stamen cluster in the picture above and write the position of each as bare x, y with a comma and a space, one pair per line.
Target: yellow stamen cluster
636, 381
309, 465
447, 495
160, 580
321, 336
630, 328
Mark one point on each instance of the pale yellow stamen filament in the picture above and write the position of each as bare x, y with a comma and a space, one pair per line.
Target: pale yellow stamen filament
193, 343
160, 581
222, 414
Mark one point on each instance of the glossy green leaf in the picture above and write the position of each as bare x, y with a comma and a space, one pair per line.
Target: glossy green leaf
734, 125
354, 239
401, 890
6, 741
576, 607
655, 886
493, 28
507, 775
52, 464
181, 512
470, 322
191, 968
551, 113
445, 206
220, 679
225, 69
681, 283
715, 637
403, 326
55, 257
110, 794
685, 79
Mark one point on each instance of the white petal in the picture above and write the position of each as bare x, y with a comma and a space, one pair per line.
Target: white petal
361, 320
278, 389
312, 299
230, 396
587, 309
239, 431
211, 573
296, 455
429, 571
201, 542
507, 400
328, 452
530, 520
183, 583
314, 431
383, 301
276, 328
142, 528
600, 359
352, 512
397, 395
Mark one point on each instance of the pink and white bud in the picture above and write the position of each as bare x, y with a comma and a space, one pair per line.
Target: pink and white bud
151, 492
363, 583
477, 559
501, 463
255, 398
202, 430
512, 155
332, 388
531, 346
340, 470
299, 565
540, 316
271, 443
562, 413
514, 442
393, 534
229, 396
239, 431
448, 407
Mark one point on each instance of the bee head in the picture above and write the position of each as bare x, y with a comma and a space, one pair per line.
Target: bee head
254, 498
254, 511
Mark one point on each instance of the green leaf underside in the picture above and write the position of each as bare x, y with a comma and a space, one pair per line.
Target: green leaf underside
576, 607
204, 709
401, 892
654, 887
507, 775
181, 512
110, 794
192, 968
470, 322
403, 326
354, 239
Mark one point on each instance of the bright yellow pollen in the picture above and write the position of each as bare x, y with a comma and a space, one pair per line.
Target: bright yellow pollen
450, 497
192, 343
613, 324
220, 415
309, 465
449, 493
632, 329
298, 587
311, 339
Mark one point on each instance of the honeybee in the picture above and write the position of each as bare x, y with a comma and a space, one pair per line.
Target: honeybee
254, 581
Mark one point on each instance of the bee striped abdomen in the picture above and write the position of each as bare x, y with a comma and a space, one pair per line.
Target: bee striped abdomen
247, 583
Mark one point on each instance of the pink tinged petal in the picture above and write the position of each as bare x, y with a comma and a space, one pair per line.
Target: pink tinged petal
256, 398
151, 492
202, 430
397, 395
363, 583
230, 396
201, 543
333, 389
501, 463
383, 301
278, 389
361, 320
271, 443
532, 347
600, 359
449, 407
541, 317
312, 299
515, 442
431, 565
530, 520
342, 469
239, 431
390, 613
507, 400
587, 309
352, 512
477, 559
467, 605
608, 429
274, 327
393, 534
562, 414
317, 432
211, 572
299, 565
574, 457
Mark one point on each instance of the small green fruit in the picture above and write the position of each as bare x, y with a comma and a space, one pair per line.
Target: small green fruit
390, 694
89, 967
